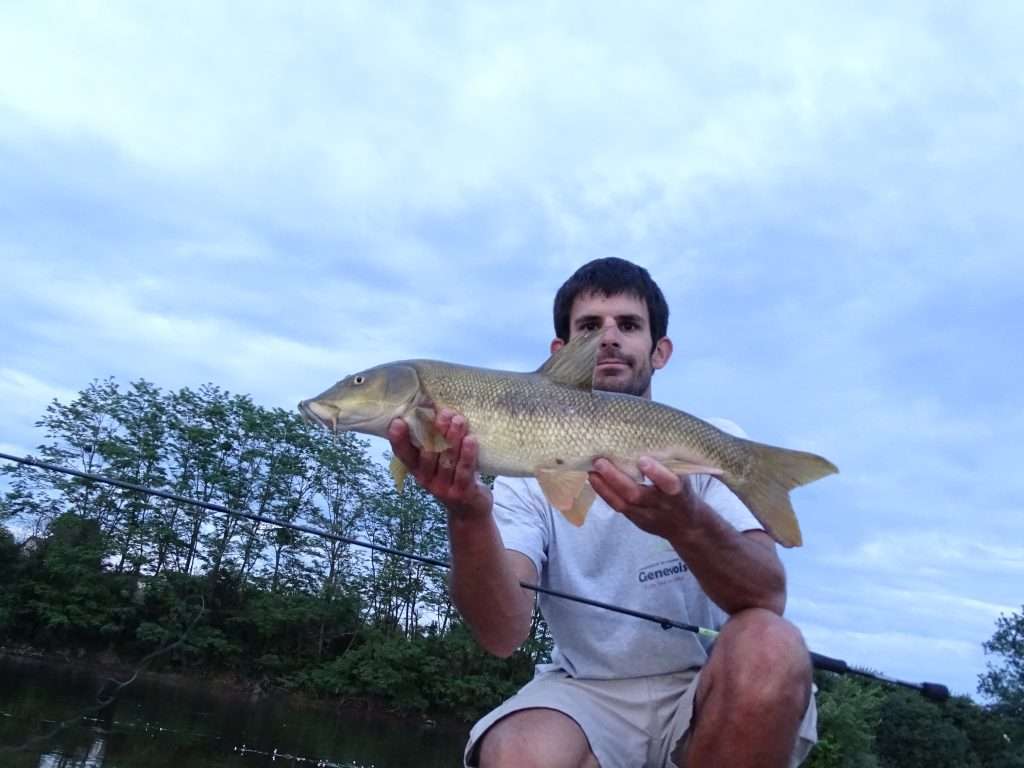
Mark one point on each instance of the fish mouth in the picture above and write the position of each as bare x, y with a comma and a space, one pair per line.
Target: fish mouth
319, 414
330, 418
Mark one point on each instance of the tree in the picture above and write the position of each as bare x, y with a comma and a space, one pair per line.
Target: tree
916, 733
70, 596
849, 711
1004, 684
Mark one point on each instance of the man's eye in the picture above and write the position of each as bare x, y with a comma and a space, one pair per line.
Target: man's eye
629, 325
588, 326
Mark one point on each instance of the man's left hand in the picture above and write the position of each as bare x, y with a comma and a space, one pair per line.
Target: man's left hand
665, 508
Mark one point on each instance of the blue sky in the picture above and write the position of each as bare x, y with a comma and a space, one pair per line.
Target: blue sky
270, 198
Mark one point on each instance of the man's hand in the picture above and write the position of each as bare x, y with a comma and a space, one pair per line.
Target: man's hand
450, 476
736, 570
665, 508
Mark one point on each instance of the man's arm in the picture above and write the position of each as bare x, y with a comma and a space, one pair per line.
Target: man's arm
485, 576
736, 570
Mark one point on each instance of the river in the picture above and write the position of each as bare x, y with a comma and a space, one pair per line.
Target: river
158, 724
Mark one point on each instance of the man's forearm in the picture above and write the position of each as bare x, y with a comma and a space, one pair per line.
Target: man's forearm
485, 586
736, 570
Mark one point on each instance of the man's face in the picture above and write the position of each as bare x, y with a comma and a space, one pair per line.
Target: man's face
625, 361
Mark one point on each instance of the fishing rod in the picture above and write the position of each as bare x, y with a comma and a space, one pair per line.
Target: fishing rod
933, 691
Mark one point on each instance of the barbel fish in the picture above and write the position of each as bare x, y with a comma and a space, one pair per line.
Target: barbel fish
551, 424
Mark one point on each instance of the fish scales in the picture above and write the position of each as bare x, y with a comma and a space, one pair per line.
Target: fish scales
524, 422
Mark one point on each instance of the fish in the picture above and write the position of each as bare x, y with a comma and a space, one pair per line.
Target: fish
552, 424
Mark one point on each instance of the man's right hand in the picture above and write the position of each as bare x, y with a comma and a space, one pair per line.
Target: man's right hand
485, 577
450, 476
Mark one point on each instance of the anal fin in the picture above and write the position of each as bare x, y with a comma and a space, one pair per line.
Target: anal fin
581, 506
568, 492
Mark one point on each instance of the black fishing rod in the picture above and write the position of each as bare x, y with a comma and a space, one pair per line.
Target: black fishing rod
933, 691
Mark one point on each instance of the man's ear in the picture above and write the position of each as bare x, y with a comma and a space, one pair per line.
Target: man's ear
556, 344
661, 354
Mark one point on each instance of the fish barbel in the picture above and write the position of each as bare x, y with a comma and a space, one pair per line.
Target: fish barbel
551, 424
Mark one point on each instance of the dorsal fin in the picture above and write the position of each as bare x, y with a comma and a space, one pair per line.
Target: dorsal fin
573, 364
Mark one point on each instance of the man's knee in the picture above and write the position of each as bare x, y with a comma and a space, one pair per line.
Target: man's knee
763, 661
535, 737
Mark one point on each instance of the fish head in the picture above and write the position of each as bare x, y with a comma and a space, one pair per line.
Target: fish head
365, 402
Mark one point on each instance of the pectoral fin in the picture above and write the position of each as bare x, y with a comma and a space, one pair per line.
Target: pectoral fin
424, 435
567, 492
398, 472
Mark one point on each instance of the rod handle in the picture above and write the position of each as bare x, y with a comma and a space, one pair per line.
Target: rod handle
828, 664
935, 691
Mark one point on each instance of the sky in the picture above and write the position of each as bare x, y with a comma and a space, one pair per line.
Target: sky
269, 196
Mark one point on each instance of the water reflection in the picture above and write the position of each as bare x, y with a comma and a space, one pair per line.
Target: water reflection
170, 726
93, 759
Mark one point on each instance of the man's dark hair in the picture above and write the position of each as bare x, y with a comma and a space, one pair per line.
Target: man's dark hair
612, 277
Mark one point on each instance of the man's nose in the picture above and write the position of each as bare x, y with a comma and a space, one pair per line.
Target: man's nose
610, 335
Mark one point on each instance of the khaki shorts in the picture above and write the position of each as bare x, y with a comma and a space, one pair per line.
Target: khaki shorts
630, 723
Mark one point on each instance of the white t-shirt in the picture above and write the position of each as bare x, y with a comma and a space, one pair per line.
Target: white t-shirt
611, 560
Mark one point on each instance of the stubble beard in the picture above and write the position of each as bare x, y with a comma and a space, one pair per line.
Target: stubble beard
637, 384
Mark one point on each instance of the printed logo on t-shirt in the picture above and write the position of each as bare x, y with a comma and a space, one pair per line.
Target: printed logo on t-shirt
662, 572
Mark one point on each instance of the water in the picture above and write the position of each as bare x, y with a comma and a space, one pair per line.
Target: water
164, 725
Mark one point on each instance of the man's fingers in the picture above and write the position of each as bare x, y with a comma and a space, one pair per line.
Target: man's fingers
606, 491
440, 473
618, 482
398, 435
452, 427
663, 478
443, 420
398, 430
456, 428
465, 469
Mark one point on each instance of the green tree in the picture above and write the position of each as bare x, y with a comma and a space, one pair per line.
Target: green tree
849, 712
1004, 683
996, 739
916, 733
128, 572
70, 596
10, 557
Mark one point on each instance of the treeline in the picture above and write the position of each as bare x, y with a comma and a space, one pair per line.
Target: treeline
99, 569
92, 570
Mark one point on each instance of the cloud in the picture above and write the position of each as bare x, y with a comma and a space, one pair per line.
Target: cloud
926, 552
25, 397
395, 111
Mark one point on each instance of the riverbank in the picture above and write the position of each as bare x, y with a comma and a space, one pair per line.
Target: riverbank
225, 685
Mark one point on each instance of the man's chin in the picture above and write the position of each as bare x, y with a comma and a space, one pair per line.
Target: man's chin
620, 385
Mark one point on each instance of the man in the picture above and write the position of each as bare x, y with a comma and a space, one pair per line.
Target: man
620, 692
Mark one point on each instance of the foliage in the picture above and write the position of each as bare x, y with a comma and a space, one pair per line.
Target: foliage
913, 732
848, 716
107, 569
1004, 684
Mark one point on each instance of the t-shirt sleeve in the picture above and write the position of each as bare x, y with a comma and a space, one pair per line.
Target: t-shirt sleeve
523, 518
719, 497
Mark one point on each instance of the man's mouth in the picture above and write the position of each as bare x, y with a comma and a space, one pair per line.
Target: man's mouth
613, 364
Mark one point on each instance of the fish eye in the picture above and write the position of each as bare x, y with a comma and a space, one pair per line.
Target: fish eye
357, 380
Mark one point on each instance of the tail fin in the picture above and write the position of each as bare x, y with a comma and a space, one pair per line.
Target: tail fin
765, 486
